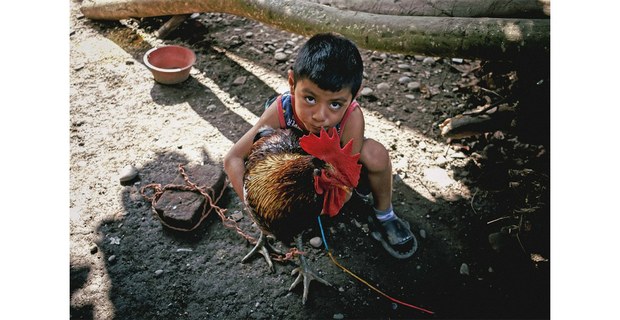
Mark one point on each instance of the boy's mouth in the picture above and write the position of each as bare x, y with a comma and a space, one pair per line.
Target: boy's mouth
317, 130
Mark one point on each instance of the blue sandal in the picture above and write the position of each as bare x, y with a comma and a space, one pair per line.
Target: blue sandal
395, 236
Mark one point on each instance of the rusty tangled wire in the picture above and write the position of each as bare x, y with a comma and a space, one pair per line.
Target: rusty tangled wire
226, 221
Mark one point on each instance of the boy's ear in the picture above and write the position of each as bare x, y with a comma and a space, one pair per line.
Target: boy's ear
291, 80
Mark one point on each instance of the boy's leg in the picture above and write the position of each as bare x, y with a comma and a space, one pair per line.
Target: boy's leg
394, 232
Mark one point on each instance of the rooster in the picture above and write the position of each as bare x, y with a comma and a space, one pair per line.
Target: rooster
290, 180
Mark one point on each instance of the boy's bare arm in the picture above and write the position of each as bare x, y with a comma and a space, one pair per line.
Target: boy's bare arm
354, 129
234, 161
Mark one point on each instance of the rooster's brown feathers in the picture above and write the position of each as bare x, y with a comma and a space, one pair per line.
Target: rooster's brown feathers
281, 180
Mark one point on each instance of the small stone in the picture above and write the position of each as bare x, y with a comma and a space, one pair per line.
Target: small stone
423, 233
403, 80
237, 216
375, 58
249, 34
211, 108
441, 161
398, 178
94, 249
464, 269
434, 90
410, 97
413, 85
458, 155
338, 316
366, 92
239, 81
404, 66
128, 173
257, 51
401, 165
129, 62
383, 86
428, 61
159, 272
316, 242
112, 258
457, 60
280, 56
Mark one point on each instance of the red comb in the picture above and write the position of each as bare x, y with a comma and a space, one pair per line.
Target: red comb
327, 148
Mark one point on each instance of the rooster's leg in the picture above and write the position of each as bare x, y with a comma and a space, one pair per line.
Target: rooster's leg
263, 247
305, 273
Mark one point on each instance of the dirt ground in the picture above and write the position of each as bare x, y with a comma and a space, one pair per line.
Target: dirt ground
479, 206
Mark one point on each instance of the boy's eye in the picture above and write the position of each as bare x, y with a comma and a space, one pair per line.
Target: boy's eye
335, 105
310, 100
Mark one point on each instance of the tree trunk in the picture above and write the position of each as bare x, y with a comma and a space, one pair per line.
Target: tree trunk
482, 38
448, 8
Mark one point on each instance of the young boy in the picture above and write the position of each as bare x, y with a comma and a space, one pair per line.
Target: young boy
325, 79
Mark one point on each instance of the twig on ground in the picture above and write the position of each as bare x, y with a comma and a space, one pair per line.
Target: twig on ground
491, 91
471, 203
425, 187
498, 219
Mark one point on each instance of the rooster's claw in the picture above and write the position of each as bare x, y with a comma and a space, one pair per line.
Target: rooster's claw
305, 273
262, 246
307, 276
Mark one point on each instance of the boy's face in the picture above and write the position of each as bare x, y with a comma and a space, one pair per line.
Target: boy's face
317, 108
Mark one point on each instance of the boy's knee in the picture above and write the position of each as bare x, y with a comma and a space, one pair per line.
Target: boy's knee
374, 155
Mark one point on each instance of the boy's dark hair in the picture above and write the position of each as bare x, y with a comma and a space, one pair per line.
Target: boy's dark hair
331, 61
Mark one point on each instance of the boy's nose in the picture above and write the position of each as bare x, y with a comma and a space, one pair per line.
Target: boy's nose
319, 115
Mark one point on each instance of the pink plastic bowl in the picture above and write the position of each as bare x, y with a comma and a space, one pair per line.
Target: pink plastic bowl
170, 64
